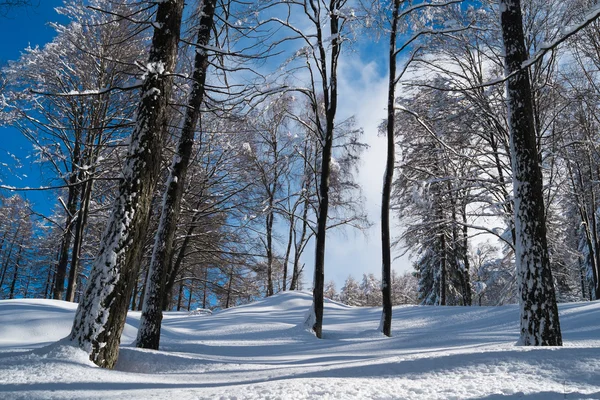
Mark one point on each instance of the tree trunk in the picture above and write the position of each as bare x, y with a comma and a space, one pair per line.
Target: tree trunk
63, 261
180, 296
78, 240
150, 323
174, 267
539, 313
13, 284
299, 245
330, 98
269, 226
7, 256
229, 289
101, 314
189, 306
288, 251
443, 269
388, 178
467, 295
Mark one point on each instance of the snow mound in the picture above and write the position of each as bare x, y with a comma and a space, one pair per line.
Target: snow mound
259, 351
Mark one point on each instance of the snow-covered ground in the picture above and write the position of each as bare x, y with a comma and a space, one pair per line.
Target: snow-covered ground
260, 351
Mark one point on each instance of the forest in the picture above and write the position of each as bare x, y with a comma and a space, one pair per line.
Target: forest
199, 158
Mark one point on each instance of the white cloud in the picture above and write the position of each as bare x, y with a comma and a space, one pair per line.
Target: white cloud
362, 93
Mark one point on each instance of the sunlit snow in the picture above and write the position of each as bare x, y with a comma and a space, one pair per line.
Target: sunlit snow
261, 351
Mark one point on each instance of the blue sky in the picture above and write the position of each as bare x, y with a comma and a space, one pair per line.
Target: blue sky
363, 93
22, 27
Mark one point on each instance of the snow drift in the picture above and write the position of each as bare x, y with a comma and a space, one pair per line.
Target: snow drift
261, 351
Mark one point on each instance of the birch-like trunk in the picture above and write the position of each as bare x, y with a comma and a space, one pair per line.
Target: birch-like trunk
539, 313
150, 323
101, 314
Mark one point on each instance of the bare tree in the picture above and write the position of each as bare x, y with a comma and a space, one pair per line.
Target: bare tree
150, 322
101, 314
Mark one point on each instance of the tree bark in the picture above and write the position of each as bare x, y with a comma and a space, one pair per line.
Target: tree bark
101, 314
330, 93
63, 261
539, 313
150, 323
388, 177
16, 272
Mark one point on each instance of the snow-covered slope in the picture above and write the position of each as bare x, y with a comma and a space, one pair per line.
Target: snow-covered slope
260, 351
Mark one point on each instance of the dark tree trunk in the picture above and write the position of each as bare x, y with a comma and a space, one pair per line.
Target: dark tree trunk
11, 295
101, 314
49, 282
388, 178
180, 296
84, 208
7, 256
63, 261
205, 288
330, 93
175, 266
78, 240
229, 289
443, 268
299, 245
189, 306
288, 251
143, 291
539, 312
467, 295
269, 226
150, 323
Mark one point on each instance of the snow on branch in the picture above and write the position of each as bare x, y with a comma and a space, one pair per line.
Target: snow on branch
567, 32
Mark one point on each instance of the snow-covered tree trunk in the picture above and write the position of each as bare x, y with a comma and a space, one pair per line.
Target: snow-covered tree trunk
386, 253
150, 323
539, 312
101, 314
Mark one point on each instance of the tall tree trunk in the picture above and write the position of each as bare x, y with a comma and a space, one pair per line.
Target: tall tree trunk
13, 284
205, 288
101, 314
191, 292
63, 261
229, 288
269, 226
539, 313
467, 295
180, 296
388, 177
443, 268
150, 323
7, 256
175, 266
84, 207
330, 98
288, 252
86, 196
299, 245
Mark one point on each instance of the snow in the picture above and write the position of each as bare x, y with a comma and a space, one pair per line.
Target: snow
262, 351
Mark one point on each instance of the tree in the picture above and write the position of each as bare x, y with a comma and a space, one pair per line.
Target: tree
386, 251
350, 293
69, 117
539, 313
150, 322
101, 314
